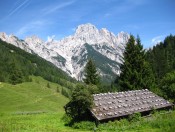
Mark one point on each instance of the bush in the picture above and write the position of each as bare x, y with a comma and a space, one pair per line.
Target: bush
48, 85
57, 90
81, 101
135, 117
86, 125
67, 120
117, 125
65, 93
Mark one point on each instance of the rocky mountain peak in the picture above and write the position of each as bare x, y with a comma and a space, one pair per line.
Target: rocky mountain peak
3, 36
71, 53
87, 33
34, 40
104, 30
86, 28
122, 37
8, 38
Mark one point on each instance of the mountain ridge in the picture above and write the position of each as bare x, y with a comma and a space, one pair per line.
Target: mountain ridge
61, 52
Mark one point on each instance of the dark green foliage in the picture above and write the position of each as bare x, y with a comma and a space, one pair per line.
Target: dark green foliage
135, 71
67, 120
162, 57
91, 75
86, 125
93, 89
16, 75
65, 93
168, 86
30, 79
134, 117
162, 60
48, 85
100, 61
104, 88
57, 90
81, 100
25, 64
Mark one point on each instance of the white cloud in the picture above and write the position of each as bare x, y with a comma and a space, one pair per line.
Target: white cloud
54, 8
157, 39
18, 7
31, 27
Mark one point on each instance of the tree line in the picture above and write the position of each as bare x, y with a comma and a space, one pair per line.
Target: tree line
153, 69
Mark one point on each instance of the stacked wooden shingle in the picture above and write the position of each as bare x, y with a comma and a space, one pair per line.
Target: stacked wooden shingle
119, 104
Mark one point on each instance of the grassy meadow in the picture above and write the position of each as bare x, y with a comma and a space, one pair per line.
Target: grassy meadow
32, 106
37, 106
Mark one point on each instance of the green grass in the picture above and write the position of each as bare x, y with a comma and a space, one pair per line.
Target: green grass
47, 122
155, 123
32, 106
158, 122
31, 96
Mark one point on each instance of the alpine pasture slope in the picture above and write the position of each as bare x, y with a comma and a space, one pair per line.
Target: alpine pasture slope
35, 107
32, 106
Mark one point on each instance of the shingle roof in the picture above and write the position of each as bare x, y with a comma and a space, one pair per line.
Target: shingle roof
111, 105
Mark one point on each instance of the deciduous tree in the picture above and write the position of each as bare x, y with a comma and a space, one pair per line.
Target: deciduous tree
80, 103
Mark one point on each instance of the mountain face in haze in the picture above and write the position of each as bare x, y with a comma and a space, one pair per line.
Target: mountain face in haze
71, 53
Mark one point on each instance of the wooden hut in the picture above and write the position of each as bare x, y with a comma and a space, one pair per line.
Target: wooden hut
108, 106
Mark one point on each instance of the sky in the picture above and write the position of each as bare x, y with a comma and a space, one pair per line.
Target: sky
152, 20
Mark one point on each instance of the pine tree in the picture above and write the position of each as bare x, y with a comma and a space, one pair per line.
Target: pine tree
162, 58
91, 75
135, 71
16, 75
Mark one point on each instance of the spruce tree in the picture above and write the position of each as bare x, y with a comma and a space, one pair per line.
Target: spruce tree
162, 58
91, 75
135, 71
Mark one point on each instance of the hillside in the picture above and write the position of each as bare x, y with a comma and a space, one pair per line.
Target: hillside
162, 57
69, 51
33, 96
17, 62
32, 106
101, 61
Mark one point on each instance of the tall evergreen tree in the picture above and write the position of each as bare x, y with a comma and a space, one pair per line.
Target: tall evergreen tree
91, 75
162, 58
135, 71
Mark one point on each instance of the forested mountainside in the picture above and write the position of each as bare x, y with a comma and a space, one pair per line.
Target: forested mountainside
162, 60
162, 57
16, 65
72, 52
